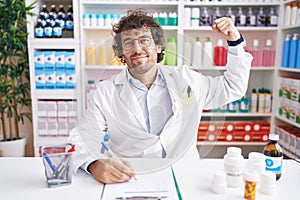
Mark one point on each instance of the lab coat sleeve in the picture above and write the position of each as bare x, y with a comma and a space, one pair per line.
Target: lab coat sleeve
233, 84
88, 134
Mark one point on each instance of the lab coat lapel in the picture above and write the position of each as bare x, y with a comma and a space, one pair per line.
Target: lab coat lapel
129, 98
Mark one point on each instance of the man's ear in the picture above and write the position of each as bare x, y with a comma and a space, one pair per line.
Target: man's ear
158, 48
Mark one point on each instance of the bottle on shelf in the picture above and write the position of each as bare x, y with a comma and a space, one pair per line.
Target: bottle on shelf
274, 155
195, 17
100, 20
187, 53
256, 52
230, 15
61, 12
268, 102
205, 19
286, 51
298, 54
172, 19
38, 29
287, 14
89, 89
45, 11
53, 12
197, 54
171, 52
48, 31
163, 18
261, 100
220, 54
208, 53
268, 54
250, 18
240, 19
293, 51
216, 15
186, 17
91, 54
294, 12
57, 30
254, 101
69, 21
103, 56
261, 17
272, 18
244, 104
61, 21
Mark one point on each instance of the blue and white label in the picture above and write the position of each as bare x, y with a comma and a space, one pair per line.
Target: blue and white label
274, 164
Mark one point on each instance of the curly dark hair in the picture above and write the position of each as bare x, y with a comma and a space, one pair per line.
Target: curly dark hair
135, 19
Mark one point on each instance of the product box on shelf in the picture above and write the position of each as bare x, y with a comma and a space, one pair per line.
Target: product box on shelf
242, 136
260, 136
242, 126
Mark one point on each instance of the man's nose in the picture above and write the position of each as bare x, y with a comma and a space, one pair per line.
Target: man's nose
136, 45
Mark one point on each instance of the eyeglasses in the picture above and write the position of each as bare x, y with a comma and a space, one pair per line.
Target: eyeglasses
144, 42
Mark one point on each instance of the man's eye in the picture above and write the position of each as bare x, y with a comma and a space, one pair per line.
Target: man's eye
144, 41
129, 43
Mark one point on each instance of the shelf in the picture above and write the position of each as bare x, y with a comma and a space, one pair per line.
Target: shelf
287, 121
288, 154
241, 28
227, 114
289, 70
291, 27
44, 43
55, 94
223, 68
51, 140
216, 143
232, 3
108, 28
121, 3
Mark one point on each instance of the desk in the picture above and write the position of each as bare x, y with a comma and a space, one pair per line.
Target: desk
194, 180
24, 178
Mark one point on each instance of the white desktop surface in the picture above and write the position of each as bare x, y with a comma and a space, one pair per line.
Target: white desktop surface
24, 178
194, 180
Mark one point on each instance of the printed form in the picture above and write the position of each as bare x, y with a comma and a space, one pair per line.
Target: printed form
158, 184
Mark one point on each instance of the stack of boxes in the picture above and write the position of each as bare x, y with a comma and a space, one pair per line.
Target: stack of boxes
54, 69
234, 131
289, 140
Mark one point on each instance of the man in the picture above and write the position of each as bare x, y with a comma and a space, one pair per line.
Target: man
149, 110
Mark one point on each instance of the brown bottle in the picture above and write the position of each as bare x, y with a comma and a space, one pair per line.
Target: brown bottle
274, 155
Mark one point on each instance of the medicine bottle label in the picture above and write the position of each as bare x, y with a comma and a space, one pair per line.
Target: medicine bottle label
274, 164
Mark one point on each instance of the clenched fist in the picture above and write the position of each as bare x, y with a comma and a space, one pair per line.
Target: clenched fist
226, 29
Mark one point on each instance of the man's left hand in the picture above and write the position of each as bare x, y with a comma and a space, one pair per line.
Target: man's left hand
226, 29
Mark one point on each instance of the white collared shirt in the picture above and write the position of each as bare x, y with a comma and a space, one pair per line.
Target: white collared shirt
155, 102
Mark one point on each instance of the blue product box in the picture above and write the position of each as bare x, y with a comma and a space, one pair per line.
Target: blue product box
70, 79
50, 79
49, 60
59, 60
39, 60
39, 79
60, 79
70, 60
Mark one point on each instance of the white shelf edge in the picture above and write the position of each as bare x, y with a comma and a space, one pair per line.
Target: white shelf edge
287, 121
222, 68
241, 28
108, 28
122, 3
64, 43
227, 114
289, 69
55, 94
231, 143
231, 3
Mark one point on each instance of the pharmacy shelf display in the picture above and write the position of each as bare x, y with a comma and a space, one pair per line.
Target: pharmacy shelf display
54, 61
286, 99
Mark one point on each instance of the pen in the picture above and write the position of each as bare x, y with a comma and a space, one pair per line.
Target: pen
113, 155
53, 168
141, 197
63, 164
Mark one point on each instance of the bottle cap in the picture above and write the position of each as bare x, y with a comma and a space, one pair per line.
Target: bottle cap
219, 182
256, 161
269, 43
234, 151
273, 136
267, 182
255, 43
220, 42
251, 175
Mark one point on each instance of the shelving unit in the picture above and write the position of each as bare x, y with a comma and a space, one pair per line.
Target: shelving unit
101, 37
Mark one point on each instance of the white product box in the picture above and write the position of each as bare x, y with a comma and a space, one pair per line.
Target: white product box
72, 122
62, 108
52, 126
42, 108
51, 108
62, 126
42, 126
72, 109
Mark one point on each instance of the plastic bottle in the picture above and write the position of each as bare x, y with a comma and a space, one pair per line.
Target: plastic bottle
91, 54
53, 12
89, 89
233, 107
216, 15
298, 17
240, 19
38, 29
43, 19
250, 18
251, 178
103, 56
274, 155
261, 100
256, 53
57, 30
197, 54
220, 54
254, 101
261, 17
230, 14
45, 11
156, 17
107, 19
48, 32
268, 54
208, 53
187, 53
267, 183
61, 22
244, 104
93, 20
70, 10
205, 19
256, 162
294, 12
271, 18
293, 51
286, 51
234, 166
61, 12
163, 18
171, 52
69, 22
195, 17
287, 15
172, 19
187, 17
268, 102
298, 55
86, 19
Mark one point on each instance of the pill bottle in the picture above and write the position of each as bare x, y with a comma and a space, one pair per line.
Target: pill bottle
234, 166
250, 180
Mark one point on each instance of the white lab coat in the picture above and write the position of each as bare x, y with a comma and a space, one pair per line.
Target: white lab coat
114, 108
